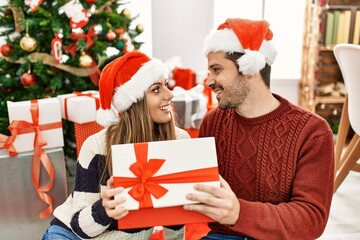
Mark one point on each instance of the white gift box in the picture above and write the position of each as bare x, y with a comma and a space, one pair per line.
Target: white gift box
79, 107
49, 116
178, 157
190, 106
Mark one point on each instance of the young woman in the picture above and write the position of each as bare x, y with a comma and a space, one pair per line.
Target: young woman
135, 107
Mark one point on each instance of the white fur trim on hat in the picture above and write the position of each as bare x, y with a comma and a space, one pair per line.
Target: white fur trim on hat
106, 117
251, 62
225, 40
134, 90
222, 40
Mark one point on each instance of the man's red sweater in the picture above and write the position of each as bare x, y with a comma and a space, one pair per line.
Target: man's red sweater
280, 166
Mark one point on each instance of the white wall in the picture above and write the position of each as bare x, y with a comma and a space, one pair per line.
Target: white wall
179, 28
2, 39
142, 8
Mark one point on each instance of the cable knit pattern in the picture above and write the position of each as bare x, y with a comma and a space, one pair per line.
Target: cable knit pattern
83, 212
285, 156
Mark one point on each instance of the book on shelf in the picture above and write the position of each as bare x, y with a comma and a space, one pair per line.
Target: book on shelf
356, 38
347, 23
329, 28
336, 26
341, 28
352, 24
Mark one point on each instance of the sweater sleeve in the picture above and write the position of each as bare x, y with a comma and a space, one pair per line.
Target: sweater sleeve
88, 216
306, 214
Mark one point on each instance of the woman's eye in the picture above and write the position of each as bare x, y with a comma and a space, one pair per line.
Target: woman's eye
156, 90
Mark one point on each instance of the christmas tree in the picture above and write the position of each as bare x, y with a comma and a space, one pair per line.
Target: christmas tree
57, 47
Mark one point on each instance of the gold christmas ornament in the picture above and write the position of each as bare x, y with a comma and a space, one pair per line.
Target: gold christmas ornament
85, 60
139, 28
126, 13
28, 43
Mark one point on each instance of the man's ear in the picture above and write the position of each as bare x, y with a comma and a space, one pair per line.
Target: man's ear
251, 76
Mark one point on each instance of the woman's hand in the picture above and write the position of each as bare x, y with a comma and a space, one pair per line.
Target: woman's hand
222, 206
113, 206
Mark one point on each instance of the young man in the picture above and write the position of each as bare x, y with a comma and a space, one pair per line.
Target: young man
276, 159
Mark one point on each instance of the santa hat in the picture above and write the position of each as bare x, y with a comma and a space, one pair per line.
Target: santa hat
244, 36
124, 81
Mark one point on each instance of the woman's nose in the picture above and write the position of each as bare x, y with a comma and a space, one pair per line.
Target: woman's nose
168, 94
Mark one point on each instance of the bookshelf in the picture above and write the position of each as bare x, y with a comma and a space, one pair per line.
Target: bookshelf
326, 23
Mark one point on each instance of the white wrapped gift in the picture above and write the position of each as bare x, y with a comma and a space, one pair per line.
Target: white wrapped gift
190, 106
157, 176
79, 107
46, 123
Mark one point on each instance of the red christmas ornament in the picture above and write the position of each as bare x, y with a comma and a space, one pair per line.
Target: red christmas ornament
5, 49
111, 35
28, 79
90, 1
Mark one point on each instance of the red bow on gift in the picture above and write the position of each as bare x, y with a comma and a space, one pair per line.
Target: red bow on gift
40, 157
5, 143
88, 37
145, 184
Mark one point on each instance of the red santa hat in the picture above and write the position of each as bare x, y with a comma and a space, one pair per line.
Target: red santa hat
124, 81
250, 37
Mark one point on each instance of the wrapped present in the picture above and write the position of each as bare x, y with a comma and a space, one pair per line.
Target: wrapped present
184, 78
83, 131
36, 121
190, 106
20, 203
79, 107
157, 176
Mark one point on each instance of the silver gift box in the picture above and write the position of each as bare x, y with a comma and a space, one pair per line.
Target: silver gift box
21, 206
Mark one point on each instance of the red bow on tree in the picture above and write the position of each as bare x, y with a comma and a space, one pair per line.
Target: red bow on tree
88, 37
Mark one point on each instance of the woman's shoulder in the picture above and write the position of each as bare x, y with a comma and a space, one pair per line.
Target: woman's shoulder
95, 143
181, 133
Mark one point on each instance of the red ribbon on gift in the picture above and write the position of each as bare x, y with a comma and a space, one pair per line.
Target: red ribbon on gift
5, 143
145, 184
78, 94
88, 37
40, 157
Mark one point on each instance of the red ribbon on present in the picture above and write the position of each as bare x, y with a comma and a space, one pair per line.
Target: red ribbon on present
40, 157
88, 37
78, 94
5, 143
145, 184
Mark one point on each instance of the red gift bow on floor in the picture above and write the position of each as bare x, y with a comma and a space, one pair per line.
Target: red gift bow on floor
78, 94
145, 185
40, 157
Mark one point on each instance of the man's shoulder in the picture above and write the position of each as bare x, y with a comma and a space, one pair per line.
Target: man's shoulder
310, 120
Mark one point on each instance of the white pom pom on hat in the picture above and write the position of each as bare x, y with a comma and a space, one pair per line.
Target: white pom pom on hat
124, 81
250, 37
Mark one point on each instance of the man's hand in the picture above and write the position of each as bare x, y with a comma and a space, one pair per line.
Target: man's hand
222, 206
